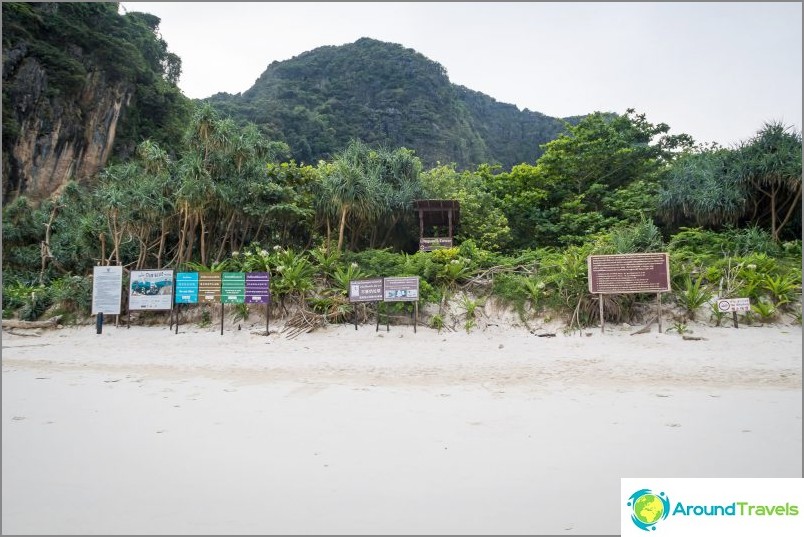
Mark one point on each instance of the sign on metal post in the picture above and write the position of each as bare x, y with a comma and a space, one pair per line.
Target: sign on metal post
186, 291
258, 291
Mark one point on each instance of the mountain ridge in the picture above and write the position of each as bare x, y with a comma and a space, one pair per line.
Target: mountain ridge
387, 94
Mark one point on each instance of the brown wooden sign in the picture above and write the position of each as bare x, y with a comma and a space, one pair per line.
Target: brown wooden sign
629, 273
428, 244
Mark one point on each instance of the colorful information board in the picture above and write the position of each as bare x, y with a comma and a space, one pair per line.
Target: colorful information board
368, 290
209, 287
186, 288
233, 287
150, 290
107, 290
258, 288
401, 289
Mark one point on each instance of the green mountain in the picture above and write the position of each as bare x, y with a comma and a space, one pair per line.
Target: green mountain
383, 93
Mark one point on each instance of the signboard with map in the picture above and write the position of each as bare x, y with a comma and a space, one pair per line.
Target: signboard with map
401, 289
150, 290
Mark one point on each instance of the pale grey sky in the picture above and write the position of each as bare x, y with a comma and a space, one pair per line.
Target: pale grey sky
716, 71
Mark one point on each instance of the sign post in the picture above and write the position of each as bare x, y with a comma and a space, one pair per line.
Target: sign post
233, 290
186, 291
258, 291
150, 290
403, 289
368, 290
629, 273
733, 305
107, 291
209, 289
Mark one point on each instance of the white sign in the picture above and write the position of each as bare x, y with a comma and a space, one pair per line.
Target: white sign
107, 290
733, 304
150, 290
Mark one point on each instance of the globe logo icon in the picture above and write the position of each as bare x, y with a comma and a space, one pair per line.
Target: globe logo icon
648, 508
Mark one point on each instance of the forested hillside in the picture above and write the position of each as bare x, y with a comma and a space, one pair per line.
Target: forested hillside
383, 93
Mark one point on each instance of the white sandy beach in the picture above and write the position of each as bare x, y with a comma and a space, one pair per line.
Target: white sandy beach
342, 431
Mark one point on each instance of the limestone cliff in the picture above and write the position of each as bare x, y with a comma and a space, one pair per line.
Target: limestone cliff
60, 137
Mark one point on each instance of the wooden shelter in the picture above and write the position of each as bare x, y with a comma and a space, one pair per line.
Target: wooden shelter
438, 220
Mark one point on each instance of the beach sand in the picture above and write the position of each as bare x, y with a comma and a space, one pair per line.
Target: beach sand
341, 431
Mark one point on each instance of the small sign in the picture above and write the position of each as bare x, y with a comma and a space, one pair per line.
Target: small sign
258, 288
428, 244
209, 287
725, 305
403, 289
369, 290
233, 288
107, 290
186, 288
150, 290
629, 273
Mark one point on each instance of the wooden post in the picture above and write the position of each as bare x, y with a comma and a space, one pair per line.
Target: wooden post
415, 315
267, 318
421, 224
659, 312
377, 329
602, 321
99, 323
734, 318
177, 318
221, 318
449, 216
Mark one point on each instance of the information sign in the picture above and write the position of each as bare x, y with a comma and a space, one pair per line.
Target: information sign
258, 287
107, 290
150, 290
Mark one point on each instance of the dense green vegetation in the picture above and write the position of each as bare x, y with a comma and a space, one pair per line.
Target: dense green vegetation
230, 200
312, 175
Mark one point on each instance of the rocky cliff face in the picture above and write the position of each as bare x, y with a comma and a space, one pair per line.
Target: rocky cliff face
59, 137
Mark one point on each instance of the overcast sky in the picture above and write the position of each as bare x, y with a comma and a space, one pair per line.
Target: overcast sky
717, 71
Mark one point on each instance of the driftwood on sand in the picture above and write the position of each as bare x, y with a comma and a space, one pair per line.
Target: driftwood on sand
16, 323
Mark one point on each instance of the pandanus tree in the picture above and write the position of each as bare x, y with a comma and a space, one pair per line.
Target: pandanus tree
757, 183
769, 168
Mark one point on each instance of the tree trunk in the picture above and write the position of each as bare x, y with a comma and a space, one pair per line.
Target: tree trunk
342, 227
